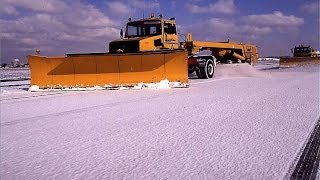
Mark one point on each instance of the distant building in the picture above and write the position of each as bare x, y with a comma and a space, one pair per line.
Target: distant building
16, 63
3, 65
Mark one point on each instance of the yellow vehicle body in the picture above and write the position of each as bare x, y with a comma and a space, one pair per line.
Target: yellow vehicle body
108, 70
224, 51
302, 55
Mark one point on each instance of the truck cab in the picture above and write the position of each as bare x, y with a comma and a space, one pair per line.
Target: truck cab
303, 51
146, 35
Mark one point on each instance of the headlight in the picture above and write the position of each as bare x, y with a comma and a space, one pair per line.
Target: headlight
119, 50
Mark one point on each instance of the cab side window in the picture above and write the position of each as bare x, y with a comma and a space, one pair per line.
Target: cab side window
153, 30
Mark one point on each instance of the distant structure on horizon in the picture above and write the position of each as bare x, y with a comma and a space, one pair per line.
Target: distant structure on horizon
15, 63
268, 59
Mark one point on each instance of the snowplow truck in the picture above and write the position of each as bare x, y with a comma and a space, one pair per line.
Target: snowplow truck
302, 55
158, 34
148, 51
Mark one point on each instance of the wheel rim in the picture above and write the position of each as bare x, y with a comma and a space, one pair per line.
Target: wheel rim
210, 69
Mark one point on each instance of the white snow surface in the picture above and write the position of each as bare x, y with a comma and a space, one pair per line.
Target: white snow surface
14, 73
235, 126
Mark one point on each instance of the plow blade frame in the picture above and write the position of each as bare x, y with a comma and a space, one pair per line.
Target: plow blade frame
108, 70
298, 61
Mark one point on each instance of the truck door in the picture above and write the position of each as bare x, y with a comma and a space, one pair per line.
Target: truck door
170, 36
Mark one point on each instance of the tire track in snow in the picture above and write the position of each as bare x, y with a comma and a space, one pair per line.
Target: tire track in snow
46, 94
14, 85
31, 96
25, 120
213, 80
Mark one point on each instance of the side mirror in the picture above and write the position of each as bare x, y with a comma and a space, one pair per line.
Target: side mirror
121, 33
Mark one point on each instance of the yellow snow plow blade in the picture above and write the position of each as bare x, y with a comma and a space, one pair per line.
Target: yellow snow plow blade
109, 70
298, 61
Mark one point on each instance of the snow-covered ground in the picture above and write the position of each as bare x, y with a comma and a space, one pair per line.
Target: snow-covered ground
243, 124
14, 73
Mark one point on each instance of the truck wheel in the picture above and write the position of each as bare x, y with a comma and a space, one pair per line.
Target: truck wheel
207, 71
199, 75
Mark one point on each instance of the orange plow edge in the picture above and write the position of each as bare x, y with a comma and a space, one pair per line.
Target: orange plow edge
109, 70
298, 61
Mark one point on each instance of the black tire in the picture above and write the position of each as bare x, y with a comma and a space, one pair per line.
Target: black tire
206, 72
190, 71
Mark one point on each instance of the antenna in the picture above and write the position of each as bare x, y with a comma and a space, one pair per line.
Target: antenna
143, 9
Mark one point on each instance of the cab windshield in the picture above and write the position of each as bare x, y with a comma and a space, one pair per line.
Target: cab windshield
143, 28
303, 49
